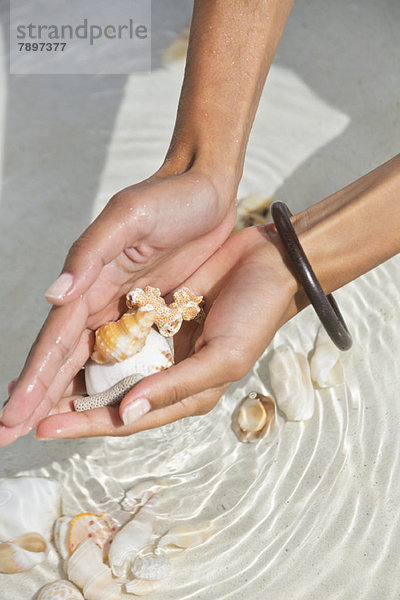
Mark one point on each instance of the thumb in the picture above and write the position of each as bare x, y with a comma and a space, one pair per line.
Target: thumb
96, 247
212, 368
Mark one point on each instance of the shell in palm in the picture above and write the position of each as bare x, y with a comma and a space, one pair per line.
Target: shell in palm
118, 340
155, 355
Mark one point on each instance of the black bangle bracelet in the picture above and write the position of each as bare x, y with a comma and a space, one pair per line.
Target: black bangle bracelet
325, 306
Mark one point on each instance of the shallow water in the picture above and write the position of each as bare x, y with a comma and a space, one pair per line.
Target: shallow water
312, 507
312, 511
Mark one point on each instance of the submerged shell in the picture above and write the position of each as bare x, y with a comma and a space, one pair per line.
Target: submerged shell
86, 569
23, 553
130, 539
151, 567
155, 356
60, 590
325, 365
117, 340
28, 504
139, 494
186, 306
254, 417
187, 535
291, 384
71, 531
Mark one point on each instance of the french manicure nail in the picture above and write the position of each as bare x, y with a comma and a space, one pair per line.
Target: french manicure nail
134, 411
60, 287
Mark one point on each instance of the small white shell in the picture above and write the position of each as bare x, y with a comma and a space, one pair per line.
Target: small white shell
28, 504
86, 569
155, 356
130, 539
60, 590
139, 494
186, 535
151, 567
61, 533
22, 553
291, 383
326, 368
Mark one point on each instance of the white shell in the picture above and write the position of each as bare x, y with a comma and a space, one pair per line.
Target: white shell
61, 533
130, 539
143, 587
155, 356
186, 535
291, 383
326, 368
86, 569
28, 504
151, 567
60, 590
139, 494
23, 553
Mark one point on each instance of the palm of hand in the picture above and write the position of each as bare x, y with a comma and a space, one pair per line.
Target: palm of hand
246, 301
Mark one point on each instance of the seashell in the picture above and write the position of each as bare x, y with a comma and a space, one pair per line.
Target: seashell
154, 568
60, 590
139, 494
291, 383
130, 539
186, 306
70, 532
28, 504
117, 340
326, 368
187, 303
186, 535
253, 209
22, 553
61, 535
142, 587
177, 50
86, 569
254, 417
155, 356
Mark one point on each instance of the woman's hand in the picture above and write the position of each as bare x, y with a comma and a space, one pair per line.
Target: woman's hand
155, 233
249, 294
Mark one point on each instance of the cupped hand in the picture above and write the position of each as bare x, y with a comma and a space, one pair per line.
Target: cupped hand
154, 233
250, 293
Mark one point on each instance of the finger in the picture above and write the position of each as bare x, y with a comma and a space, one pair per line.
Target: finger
102, 242
12, 385
56, 341
213, 366
106, 421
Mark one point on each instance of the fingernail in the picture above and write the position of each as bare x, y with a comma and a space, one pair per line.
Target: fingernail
60, 287
134, 411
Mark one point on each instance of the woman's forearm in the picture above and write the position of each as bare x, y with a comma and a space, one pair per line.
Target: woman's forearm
348, 233
355, 229
231, 48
